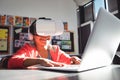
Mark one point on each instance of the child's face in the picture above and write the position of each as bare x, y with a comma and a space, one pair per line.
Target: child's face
41, 41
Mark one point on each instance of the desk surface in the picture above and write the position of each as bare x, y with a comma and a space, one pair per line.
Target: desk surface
111, 72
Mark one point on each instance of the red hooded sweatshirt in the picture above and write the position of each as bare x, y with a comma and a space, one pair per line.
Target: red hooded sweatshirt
28, 51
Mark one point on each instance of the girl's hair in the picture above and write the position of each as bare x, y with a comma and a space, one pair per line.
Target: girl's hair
32, 28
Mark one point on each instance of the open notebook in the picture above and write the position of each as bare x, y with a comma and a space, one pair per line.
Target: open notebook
101, 46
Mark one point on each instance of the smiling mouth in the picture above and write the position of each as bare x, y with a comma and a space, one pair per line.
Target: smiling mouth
43, 42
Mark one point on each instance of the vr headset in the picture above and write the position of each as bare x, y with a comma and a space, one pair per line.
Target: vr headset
46, 27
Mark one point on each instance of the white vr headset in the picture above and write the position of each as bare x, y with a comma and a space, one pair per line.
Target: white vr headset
49, 27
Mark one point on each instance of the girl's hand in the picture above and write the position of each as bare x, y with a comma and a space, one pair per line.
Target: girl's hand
50, 63
75, 60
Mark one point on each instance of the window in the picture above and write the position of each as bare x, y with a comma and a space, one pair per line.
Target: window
112, 6
97, 5
88, 12
83, 34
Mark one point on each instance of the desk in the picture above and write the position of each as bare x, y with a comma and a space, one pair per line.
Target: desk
111, 72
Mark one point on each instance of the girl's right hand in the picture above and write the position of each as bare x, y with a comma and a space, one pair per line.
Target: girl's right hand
50, 63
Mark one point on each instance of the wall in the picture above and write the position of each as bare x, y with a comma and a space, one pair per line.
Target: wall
64, 10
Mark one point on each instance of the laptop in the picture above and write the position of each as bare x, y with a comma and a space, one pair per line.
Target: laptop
101, 46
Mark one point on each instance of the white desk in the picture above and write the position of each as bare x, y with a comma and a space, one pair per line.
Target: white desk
111, 72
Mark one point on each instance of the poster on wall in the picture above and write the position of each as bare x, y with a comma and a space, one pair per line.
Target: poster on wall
32, 20
18, 21
20, 37
10, 20
26, 21
2, 19
4, 40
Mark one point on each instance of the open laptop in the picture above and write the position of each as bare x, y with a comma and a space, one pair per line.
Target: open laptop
101, 46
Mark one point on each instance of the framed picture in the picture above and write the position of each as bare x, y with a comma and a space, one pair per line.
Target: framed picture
4, 40
65, 41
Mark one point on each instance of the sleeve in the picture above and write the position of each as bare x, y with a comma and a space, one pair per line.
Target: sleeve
16, 61
60, 56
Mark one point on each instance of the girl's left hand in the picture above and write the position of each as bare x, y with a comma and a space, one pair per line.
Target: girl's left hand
75, 60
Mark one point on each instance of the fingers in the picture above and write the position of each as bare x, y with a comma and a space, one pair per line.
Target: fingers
49, 63
75, 60
56, 64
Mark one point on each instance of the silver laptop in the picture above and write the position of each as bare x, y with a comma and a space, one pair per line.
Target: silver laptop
101, 46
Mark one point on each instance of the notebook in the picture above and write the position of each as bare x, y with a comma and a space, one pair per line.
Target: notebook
101, 46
